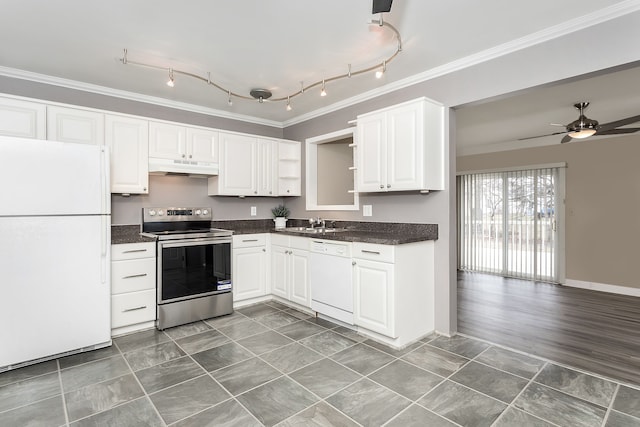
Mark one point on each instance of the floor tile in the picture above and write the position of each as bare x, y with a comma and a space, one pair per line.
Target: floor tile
277, 320
188, 398
243, 329
392, 351
138, 413
45, 413
222, 321
203, 341
141, 339
153, 355
368, 403
432, 336
300, 330
325, 377
291, 357
27, 372
512, 362
462, 405
618, 419
297, 313
322, 322
245, 375
264, 342
277, 304
225, 414
515, 417
559, 408
169, 373
497, 384
362, 358
406, 379
186, 330
417, 416
628, 401
276, 401
99, 397
320, 415
350, 333
435, 360
93, 372
587, 387
458, 344
327, 343
258, 310
88, 356
219, 357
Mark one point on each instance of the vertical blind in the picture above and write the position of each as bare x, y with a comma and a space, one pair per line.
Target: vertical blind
507, 223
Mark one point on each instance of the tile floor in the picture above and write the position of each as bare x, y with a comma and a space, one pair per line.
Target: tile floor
270, 365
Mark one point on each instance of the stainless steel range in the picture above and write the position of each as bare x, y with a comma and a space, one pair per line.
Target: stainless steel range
194, 265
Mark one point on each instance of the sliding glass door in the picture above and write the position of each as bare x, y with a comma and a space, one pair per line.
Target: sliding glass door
508, 223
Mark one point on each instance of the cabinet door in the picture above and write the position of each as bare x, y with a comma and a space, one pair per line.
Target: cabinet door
374, 297
22, 119
299, 277
288, 169
405, 145
371, 153
128, 140
167, 141
202, 145
249, 273
72, 125
238, 157
266, 170
280, 271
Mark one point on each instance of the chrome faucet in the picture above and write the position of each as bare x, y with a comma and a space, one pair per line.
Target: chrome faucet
317, 221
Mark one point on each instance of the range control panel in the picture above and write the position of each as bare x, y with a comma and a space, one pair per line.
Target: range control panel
176, 214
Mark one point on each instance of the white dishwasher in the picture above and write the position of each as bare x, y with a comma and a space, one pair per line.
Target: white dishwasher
330, 279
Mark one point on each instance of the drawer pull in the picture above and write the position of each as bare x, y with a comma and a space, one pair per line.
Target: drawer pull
134, 250
250, 240
364, 251
135, 275
142, 307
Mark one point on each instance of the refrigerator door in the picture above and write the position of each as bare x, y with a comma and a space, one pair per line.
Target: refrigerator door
53, 178
54, 286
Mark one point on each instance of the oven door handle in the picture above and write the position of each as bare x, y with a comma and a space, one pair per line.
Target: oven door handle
193, 242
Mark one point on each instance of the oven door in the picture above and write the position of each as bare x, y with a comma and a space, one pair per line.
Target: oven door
192, 268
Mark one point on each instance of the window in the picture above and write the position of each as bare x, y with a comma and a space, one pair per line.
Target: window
508, 223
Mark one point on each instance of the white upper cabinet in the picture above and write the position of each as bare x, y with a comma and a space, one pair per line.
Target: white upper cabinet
289, 163
202, 145
128, 140
22, 119
74, 125
400, 148
266, 172
167, 141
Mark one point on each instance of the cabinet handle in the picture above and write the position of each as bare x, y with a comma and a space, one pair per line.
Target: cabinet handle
142, 307
353, 263
288, 191
270, 192
144, 188
183, 156
134, 250
388, 185
135, 275
190, 156
255, 192
264, 250
364, 251
381, 186
249, 240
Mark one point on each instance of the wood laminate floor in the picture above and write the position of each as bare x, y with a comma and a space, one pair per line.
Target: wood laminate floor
590, 330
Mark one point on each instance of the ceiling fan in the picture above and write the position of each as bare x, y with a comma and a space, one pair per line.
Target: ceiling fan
584, 127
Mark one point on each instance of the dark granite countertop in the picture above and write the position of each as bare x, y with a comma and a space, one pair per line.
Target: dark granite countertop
385, 233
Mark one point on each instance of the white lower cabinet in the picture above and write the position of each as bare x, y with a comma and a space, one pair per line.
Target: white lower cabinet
133, 287
290, 268
249, 266
374, 296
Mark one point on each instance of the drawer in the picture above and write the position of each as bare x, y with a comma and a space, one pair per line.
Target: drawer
373, 252
249, 240
279, 239
133, 307
133, 275
133, 251
296, 242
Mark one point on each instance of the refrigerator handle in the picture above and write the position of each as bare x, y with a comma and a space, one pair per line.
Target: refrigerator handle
105, 177
104, 248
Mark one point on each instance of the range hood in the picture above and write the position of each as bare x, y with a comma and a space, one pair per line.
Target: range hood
183, 167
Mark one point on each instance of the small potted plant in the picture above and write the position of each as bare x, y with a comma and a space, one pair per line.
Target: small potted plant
280, 213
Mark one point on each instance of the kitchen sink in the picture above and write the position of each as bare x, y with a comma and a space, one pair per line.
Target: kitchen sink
309, 230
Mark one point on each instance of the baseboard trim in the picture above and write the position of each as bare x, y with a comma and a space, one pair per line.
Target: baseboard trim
603, 287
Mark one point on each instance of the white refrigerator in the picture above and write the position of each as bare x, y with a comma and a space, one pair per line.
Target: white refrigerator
55, 252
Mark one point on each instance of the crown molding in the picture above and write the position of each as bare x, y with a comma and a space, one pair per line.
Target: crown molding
132, 96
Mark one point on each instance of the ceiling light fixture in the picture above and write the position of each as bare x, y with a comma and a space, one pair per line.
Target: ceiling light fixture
381, 72
582, 127
289, 104
380, 67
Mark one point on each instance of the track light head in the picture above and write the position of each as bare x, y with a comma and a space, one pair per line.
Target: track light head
170, 82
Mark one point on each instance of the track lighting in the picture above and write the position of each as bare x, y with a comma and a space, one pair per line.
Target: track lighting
379, 69
170, 82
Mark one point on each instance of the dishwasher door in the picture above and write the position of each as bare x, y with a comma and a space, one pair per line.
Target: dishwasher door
330, 282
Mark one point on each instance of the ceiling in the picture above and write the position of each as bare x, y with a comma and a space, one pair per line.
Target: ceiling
276, 44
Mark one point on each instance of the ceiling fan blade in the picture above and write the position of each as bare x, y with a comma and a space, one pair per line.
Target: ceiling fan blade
617, 131
566, 138
618, 123
541, 136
